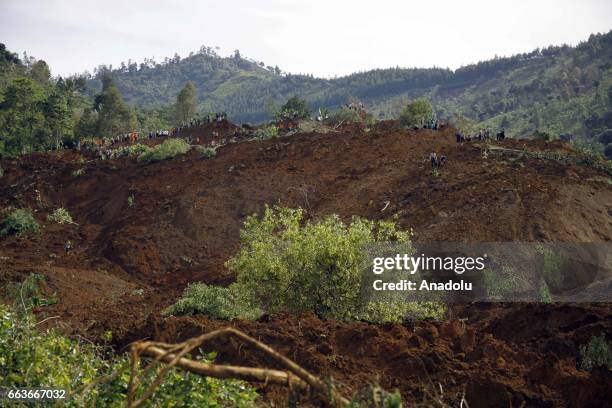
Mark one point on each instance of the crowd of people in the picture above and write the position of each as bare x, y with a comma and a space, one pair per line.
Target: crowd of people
483, 134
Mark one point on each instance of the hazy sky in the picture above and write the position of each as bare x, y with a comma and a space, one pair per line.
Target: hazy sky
322, 37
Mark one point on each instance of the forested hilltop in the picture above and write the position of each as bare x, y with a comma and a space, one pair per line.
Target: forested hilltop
559, 89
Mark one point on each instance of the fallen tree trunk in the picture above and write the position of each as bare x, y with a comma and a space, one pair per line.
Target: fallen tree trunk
265, 375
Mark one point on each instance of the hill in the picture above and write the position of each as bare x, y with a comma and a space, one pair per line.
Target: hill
143, 232
559, 89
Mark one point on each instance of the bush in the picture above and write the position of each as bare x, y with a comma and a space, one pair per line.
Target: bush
597, 353
132, 150
170, 148
28, 293
294, 109
34, 359
60, 216
78, 172
19, 222
345, 116
216, 302
286, 264
416, 113
268, 132
206, 152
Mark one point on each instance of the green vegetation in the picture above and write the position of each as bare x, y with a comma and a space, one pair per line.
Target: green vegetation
27, 295
206, 152
558, 89
186, 103
267, 132
288, 264
30, 358
596, 353
19, 222
131, 150
416, 113
60, 216
217, 302
294, 109
78, 172
167, 150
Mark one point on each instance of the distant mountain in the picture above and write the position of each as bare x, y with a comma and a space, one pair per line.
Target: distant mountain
559, 89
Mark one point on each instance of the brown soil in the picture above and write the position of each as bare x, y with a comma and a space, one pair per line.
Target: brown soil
128, 263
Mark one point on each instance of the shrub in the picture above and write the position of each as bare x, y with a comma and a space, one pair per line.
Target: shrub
170, 148
597, 353
205, 152
33, 359
345, 116
216, 302
19, 222
60, 216
78, 172
416, 113
132, 150
28, 293
286, 264
268, 132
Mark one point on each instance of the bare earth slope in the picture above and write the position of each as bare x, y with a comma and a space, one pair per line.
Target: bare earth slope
185, 220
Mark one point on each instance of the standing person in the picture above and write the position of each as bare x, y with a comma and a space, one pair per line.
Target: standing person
433, 158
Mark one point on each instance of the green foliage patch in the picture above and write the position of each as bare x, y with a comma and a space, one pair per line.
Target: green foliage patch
416, 113
167, 150
217, 302
596, 353
28, 294
60, 216
206, 152
267, 132
286, 263
30, 358
19, 222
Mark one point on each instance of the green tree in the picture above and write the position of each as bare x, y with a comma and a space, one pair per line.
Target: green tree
86, 126
58, 117
416, 113
295, 108
186, 102
114, 116
21, 115
40, 72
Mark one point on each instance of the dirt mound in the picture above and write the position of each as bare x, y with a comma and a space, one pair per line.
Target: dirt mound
144, 232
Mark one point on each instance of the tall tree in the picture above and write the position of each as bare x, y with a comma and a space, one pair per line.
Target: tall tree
186, 103
58, 117
114, 116
20, 115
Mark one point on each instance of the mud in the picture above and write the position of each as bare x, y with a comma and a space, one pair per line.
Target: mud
128, 262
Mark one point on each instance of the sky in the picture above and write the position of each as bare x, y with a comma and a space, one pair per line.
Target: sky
325, 38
